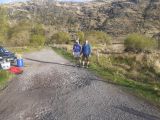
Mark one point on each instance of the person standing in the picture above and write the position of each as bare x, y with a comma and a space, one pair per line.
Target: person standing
86, 51
77, 52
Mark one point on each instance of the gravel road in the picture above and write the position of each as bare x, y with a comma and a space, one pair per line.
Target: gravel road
51, 89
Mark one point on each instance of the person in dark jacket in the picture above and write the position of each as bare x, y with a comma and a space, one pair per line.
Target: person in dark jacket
86, 51
77, 52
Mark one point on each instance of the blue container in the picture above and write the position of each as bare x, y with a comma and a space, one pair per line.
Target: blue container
20, 63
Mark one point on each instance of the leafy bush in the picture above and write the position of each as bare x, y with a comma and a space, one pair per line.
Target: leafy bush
97, 37
138, 42
19, 34
81, 36
38, 29
3, 24
37, 40
37, 35
60, 38
24, 34
19, 39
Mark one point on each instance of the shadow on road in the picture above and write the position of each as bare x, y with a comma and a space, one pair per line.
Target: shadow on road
137, 113
45, 62
49, 62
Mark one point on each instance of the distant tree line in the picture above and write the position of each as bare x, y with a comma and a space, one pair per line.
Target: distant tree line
27, 32
22, 33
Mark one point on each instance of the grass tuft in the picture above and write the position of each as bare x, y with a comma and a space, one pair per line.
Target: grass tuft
4, 76
148, 91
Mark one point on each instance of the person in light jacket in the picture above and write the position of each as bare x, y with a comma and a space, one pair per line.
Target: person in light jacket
77, 52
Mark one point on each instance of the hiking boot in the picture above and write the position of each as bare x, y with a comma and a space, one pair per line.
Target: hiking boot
78, 65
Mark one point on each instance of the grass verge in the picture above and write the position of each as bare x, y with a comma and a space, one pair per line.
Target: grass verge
139, 89
4, 76
27, 49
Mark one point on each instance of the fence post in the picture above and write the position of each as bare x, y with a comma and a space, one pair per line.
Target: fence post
97, 56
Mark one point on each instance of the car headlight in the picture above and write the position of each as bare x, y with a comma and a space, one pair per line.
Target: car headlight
7, 59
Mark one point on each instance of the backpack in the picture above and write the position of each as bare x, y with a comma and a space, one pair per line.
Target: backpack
15, 70
76, 48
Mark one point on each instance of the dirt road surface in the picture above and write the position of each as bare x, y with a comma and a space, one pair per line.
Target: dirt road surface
48, 90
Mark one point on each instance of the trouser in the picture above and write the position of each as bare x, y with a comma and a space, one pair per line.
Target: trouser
77, 58
85, 59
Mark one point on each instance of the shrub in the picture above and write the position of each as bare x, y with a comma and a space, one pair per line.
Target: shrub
157, 37
97, 37
80, 35
19, 39
19, 34
37, 40
24, 34
38, 29
19, 27
3, 24
60, 38
37, 35
138, 42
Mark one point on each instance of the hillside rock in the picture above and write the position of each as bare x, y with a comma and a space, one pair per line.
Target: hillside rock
115, 17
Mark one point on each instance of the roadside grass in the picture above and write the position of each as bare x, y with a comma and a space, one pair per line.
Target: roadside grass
4, 76
26, 49
64, 53
147, 91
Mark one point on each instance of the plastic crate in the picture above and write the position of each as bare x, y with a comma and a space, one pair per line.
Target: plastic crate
5, 65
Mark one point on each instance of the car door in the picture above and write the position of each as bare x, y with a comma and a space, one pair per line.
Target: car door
1, 52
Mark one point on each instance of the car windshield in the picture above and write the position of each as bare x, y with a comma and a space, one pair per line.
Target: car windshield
4, 50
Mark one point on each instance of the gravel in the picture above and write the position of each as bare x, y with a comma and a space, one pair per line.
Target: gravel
52, 89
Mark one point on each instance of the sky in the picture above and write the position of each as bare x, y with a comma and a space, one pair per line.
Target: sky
7, 1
